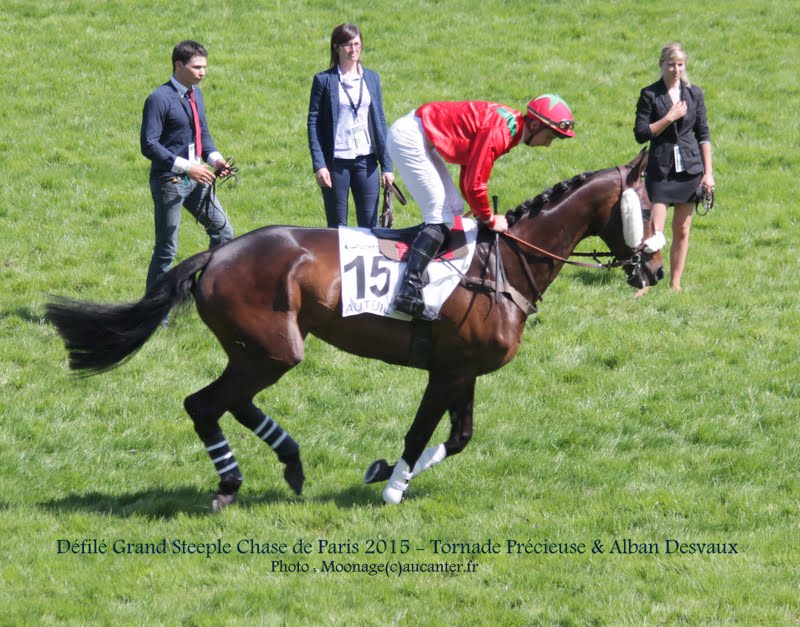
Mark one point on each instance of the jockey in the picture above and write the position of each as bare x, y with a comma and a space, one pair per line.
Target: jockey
472, 134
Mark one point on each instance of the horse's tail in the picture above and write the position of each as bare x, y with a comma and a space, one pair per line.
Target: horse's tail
101, 337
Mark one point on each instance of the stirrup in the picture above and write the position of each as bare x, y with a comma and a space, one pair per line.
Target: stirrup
413, 306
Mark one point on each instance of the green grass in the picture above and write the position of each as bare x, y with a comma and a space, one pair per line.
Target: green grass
669, 417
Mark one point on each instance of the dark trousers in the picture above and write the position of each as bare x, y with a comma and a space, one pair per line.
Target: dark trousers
171, 193
363, 177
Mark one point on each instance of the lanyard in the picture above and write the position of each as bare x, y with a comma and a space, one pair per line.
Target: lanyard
355, 107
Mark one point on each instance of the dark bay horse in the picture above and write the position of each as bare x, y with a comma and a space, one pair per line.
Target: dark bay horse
262, 293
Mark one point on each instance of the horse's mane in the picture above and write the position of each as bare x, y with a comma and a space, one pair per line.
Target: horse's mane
532, 206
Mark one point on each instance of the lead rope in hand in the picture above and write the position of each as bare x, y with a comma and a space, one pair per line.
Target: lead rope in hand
221, 175
706, 200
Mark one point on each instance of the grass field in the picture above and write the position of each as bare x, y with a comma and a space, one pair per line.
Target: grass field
669, 418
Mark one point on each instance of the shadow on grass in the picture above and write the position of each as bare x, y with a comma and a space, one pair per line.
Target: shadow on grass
357, 495
153, 504
167, 504
597, 277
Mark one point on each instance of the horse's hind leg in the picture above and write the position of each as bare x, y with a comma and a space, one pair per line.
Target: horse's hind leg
280, 441
234, 391
205, 407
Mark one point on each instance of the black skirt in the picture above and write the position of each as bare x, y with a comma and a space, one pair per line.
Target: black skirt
677, 187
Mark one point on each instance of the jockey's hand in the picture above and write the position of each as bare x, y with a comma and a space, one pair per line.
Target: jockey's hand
498, 224
388, 179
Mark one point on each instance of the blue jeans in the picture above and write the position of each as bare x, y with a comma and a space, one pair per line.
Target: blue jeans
171, 192
362, 176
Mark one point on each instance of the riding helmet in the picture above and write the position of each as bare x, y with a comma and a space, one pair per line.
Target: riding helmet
554, 112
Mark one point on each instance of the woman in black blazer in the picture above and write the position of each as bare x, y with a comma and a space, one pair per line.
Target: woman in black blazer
347, 132
671, 115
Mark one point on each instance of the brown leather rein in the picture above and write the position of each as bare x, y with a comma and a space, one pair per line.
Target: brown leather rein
616, 262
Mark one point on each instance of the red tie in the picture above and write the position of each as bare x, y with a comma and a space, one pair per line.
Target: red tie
198, 136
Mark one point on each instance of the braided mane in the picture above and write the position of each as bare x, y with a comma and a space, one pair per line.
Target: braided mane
533, 206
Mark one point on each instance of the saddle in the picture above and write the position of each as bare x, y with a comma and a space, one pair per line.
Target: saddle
394, 244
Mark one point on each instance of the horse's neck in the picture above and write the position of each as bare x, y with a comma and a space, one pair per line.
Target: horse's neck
555, 232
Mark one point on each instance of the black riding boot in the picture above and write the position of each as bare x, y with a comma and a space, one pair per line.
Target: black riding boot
426, 245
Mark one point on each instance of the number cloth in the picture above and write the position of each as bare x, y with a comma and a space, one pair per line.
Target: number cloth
370, 280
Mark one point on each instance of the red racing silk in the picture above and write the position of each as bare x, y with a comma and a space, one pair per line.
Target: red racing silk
472, 134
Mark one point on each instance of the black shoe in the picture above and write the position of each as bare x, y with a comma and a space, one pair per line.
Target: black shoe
424, 248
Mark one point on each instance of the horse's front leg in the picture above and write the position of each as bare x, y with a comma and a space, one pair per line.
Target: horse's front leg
460, 434
453, 392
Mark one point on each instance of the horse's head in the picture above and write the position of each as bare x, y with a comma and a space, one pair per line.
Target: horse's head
611, 204
629, 225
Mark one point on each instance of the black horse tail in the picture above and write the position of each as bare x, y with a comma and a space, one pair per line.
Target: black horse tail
101, 337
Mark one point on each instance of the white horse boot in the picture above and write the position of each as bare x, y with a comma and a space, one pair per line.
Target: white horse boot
398, 483
430, 457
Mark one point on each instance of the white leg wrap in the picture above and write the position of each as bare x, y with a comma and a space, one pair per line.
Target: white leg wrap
430, 457
398, 483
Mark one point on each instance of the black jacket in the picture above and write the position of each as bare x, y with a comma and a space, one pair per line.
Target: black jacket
688, 132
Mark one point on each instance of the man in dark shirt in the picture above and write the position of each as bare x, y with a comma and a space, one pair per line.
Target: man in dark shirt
176, 139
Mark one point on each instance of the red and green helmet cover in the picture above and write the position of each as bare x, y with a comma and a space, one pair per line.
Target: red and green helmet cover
554, 112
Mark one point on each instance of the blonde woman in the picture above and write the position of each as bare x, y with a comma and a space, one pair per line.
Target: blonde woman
671, 115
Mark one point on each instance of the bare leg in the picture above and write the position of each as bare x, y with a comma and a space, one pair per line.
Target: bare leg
681, 225
659, 222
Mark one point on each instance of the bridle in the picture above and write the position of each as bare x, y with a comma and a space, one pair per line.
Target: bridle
634, 260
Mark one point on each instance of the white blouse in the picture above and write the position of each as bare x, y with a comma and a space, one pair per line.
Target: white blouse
352, 137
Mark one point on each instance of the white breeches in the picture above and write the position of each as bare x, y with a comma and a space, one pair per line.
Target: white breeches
423, 171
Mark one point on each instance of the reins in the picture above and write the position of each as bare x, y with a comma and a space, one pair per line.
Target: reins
387, 212
705, 198
597, 266
614, 263
223, 175
501, 283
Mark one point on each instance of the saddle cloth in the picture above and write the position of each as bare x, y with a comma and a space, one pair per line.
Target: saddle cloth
370, 280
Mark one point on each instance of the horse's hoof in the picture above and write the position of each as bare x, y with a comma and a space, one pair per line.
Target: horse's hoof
221, 501
293, 473
226, 493
393, 495
398, 483
378, 471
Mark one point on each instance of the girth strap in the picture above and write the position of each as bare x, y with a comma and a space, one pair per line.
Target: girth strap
421, 344
489, 286
501, 285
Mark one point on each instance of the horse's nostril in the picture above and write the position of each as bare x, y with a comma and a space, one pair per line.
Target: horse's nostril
659, 274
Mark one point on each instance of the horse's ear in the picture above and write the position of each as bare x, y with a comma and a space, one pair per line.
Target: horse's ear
637, 167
